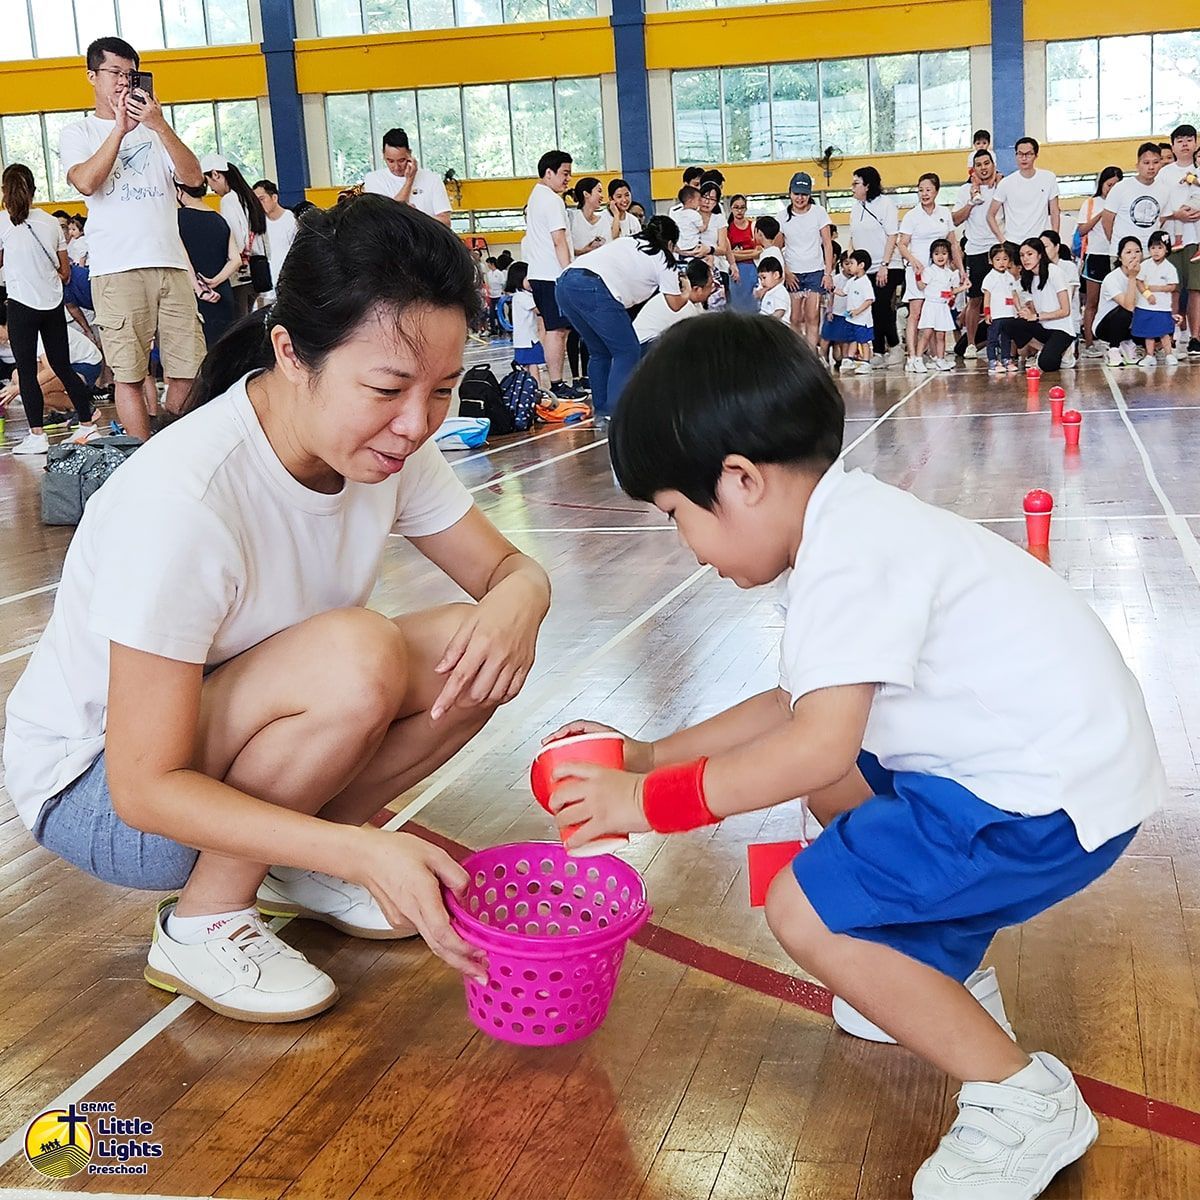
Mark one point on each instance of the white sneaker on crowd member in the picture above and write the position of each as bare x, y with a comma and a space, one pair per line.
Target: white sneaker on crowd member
1095, 350
1114, 357
1068, 359
918, 365
864, 368
1010, 1139
350, 907
895, 356
972, 351
983, 985
878, 360
33, 443
944, 364
240, 969
83, 435
1129, 353
1172, 360
1148, 361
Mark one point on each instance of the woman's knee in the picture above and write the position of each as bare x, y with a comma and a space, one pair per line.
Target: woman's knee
366, 670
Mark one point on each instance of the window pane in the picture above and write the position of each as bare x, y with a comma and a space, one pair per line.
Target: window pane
196, 128
184, 20
845, 121
945, 100
697, 116
432, 14
386, 16
441, 130
60, 189
1124, 86
580, 122
53, 28
1071, 91
532, 124
348, 122
525, 10
339, 18
480, 12
489, 141
239, 134
679, 5
14, 20
895, 104
794, 110
746, 107
23, 144
395, 110
1176, 80
561, 10
93, 19
228, 22
141, 24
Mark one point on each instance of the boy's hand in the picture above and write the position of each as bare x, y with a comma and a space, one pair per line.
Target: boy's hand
599, 800
639, 756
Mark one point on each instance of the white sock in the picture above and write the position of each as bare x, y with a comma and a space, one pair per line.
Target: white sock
1036, 1077
193, 930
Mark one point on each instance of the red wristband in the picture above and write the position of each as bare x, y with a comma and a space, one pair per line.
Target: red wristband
673, 798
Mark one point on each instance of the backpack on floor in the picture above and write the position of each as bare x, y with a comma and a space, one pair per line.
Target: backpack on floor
480, 396
521, 394
74, 474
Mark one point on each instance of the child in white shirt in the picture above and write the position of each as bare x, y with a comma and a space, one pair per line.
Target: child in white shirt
1000, 310
1154, 318
860, 321
939, 283
528, 354
773, 297
687, 217
835, 330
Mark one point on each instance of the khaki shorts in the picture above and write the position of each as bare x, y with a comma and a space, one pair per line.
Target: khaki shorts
1189, 272
131, 306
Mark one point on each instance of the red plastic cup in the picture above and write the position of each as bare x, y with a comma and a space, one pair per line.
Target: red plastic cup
603, 749
1056, 409
1038, 507
1057, 393
764, 860
1071, 421
1033, 372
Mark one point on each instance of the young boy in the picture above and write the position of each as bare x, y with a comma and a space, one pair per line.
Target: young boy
687, 217
860, 296
960, 720
657, 316
773, 297
1000, 289
980, 140
835, 338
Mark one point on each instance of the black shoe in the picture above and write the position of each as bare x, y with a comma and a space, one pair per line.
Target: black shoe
581, 384
67, 420
564, 391
1194, 346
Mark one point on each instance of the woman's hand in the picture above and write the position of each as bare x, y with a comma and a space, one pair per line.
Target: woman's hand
734, 273
881, 277
488, 658
639, 756
406, 875
601, 801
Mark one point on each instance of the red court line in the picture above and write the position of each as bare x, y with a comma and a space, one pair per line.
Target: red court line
1132, 1108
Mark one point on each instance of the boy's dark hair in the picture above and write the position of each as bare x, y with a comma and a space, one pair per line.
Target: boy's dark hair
397, 139
553, 160
771, 262
1013, 251
690, 173
1027, 141
268, 186
517, 274
1147, 147
698, 272
981, 154
728, 383
61, 214
117, 47
861, 256
836, 248
767, 226
1160, 238
1182, 131
939, 244
491, 261
981, 135
687, 193
1165, 146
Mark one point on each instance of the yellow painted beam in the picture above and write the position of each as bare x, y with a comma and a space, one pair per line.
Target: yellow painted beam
454, 57
821, 29
180, 77
1106, 18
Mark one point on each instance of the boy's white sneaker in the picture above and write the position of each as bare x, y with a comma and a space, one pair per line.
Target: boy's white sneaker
983, 985
1010, 1139
245, 971
33, 443
918, 365
1148, 361
972, 351
1114, 357
350, 907
864, 368
1172, 360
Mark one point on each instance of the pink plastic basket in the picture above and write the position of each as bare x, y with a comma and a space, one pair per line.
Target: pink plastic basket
554, 929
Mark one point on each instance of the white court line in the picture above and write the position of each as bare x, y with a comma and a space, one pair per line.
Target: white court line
870, 429
1179, 526
37, 591
19, 652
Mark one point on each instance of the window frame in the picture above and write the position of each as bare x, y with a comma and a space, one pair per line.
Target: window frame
458, 21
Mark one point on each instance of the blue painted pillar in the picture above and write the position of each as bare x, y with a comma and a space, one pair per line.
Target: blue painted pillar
633, 96
283, 96
1008, 80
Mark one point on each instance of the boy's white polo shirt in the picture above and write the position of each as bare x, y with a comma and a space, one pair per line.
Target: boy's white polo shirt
991, 671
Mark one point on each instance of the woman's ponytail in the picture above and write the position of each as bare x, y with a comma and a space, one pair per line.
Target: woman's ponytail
658, 236
17, 185
244, 347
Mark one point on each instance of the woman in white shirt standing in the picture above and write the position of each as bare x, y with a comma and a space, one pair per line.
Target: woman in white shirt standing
714, 233
1095, 252
243, 211
212, 707
807, 241
33, 254
922, 226
875, 228
1044, 309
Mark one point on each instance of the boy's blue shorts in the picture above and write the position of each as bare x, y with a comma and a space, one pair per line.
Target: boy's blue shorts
926, 867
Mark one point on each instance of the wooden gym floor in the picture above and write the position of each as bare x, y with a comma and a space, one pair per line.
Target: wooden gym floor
718, 1072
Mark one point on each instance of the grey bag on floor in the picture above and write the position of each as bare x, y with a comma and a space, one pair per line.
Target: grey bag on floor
74, 473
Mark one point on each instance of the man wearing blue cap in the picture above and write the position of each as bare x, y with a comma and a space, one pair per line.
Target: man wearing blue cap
806, 236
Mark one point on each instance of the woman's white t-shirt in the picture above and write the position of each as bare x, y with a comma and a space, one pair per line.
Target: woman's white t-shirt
1156, 274
629, 273
1070, 272
872, 222
1045, 299
583, 232
524, 320
1096, 241
201, 546
925, 228
630, 225
31, 259
803, 248
1115, 284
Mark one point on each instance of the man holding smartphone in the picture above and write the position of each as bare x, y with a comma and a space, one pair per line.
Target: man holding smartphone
124, 158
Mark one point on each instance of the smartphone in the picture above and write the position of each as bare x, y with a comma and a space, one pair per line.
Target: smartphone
142, 81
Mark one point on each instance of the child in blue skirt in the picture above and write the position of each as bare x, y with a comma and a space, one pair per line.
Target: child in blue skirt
1154, 319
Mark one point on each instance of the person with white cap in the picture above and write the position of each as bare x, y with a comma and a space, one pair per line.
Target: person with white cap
243, 211
807, 255
124, 158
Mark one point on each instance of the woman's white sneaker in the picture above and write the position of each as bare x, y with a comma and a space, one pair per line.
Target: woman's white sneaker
1010, 1139
33, 443
245, 971
983, 985
350, 907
